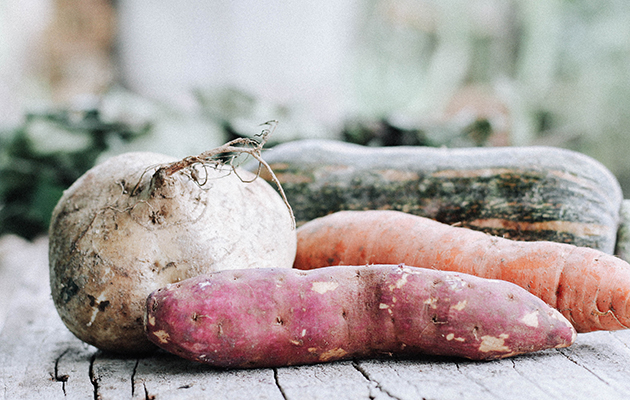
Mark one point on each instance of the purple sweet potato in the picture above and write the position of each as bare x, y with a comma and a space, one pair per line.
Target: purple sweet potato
278, 317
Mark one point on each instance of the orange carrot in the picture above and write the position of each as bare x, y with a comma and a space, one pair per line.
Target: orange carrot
589, 287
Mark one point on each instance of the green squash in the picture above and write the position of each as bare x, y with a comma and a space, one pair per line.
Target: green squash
522, 193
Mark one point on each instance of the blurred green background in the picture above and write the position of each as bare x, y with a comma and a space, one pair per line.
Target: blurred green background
82, 80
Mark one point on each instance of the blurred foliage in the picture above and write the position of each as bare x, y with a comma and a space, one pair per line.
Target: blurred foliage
51, 149
557, 70
170, 130
386, 132
239, 113
43, 157
449, 73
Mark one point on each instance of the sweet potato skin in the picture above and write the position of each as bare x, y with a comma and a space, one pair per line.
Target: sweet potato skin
278, 317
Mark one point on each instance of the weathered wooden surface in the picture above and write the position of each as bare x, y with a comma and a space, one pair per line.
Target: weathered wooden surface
41, 359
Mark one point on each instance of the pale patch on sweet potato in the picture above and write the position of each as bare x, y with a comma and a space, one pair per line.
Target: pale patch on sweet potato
451, 336
332, 353
323, 287
561, 345
162, 336
197, 347
455, 283
531, 319
399, 283
460, 305
383, 306
432, 302
492, 343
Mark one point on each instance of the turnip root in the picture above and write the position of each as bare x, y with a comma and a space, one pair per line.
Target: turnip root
279, 317
140, 221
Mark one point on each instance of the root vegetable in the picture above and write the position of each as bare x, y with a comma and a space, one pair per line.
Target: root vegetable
140, 221
280, 317
590, 288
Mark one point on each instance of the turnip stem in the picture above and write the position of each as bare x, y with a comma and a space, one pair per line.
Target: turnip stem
248, 146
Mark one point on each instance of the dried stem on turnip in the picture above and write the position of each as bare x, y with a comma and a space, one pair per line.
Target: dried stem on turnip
217, 157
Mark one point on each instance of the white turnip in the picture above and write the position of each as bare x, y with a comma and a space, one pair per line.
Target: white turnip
140, 221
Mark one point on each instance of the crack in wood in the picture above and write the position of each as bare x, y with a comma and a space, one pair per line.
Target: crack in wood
375, 384
60, 378
532, 381
133, 378
475, 381
579, 364
93, 378
147, 396
624, 343
278, 385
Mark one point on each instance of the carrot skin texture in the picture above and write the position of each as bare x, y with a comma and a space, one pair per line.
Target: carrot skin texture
589, 287
280, 317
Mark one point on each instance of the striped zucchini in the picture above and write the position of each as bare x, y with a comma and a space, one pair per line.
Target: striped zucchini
523, 193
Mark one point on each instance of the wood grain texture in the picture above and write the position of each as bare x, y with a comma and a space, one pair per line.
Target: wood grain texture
41, 359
